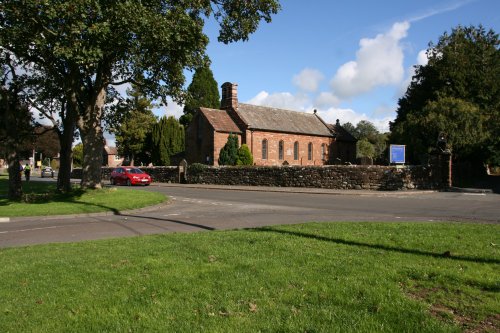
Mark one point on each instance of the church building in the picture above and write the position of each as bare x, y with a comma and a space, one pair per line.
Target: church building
274, 136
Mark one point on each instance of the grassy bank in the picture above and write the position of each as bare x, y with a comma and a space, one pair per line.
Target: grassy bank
42, 199
337, 277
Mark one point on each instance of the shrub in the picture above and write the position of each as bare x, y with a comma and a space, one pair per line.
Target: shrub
244, 156
229, 153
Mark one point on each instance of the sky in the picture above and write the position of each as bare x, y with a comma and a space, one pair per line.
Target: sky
350, 60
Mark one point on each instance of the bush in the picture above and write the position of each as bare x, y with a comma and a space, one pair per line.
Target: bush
229, 153
244, 156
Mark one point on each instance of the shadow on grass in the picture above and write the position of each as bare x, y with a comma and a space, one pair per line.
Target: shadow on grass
445, 255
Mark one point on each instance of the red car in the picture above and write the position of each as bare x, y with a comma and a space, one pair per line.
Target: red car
129, 176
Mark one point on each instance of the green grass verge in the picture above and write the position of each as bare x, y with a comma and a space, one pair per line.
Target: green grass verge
328, 277
43, 200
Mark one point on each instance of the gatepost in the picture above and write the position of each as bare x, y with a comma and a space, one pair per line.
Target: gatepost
183, 172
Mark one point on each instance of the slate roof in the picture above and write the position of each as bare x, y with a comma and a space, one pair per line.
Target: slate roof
279, 120
220, 120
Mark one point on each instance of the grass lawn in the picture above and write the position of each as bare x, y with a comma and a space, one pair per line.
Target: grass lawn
43, 200
317, 277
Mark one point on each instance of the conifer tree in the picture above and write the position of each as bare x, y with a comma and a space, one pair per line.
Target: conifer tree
134, 126
167, 140
202, 92
244, 156
229, 153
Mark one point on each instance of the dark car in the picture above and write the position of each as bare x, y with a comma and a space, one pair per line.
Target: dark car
129, 176
47, 172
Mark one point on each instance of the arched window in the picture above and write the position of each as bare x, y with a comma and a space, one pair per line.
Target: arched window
264, 149
323, 152
281, 149
310, 151
296, 150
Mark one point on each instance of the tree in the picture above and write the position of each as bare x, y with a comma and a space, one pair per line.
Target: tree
46, 141
202, 92
462, 73
244, 156
86, 46
229, 153
366, 130
15, 121
167, 140
349, 127
371, 143
135, 125
78, 154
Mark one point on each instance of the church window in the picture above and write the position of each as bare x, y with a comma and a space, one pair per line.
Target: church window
281, 149
264, 149
296, 150
323, 151
310, 151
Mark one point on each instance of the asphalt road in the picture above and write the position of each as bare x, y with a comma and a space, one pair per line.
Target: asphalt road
206, 208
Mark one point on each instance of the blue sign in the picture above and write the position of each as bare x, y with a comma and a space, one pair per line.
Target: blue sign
397, 154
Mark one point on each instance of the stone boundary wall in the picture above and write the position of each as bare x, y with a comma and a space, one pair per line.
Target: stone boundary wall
357, 177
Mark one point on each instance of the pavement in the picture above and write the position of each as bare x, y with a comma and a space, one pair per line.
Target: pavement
303, 190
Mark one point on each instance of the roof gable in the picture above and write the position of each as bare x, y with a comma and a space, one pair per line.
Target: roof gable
220, 120
279, 120
341, 134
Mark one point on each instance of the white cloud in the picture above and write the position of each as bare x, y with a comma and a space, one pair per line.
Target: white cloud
308, 79
331, 115
437, 11
422, 58
283, 100
172, 109
326, 99
379, 61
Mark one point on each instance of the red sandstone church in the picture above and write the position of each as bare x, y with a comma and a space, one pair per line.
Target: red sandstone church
274, 136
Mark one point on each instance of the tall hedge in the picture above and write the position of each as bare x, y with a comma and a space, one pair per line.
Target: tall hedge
167, 140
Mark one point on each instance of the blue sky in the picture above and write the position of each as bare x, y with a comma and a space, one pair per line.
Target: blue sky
350, 60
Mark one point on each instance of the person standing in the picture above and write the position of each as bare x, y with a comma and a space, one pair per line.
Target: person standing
27, 171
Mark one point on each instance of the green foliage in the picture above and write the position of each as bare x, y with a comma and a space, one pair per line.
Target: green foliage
462, 73
371, 143
349, 127
365, 149
84, 47
244, 156
78, 155
135, 125
167, 140
202, 92
229, 153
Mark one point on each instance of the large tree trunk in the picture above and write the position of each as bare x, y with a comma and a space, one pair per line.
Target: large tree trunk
15, 184
66, 142
93, 142
65, 159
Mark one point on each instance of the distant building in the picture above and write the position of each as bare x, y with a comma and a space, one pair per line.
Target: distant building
274, 136
110, 157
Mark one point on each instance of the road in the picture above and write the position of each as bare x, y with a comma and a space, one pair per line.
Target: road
201, 209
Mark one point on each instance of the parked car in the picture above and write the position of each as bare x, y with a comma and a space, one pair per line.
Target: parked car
129, 176
47, 172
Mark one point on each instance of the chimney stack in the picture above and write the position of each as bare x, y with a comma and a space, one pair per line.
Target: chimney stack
229, 96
